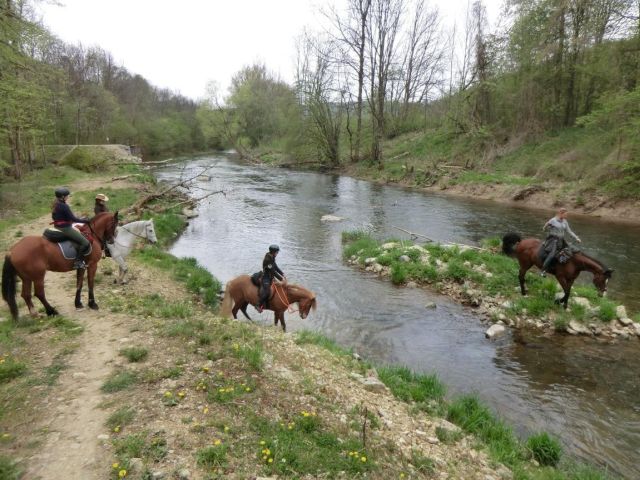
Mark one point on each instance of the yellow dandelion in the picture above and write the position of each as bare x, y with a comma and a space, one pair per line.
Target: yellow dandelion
122, 473
205, 410
247, 389
116, 429
401, 475
115, 466
270, 460
217, 442
262, 442
205, 369
264, 457
363, 459
168, 394
226, 429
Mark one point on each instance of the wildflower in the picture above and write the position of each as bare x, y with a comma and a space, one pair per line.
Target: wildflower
270, 460
6, 435
205, 369
122, 473
217, 442
168, 394
363, 459
181, 394
236, 347
247, 389
262, 442
401, 475
116, 428
115, 466
205, 410
305, 414
226, 429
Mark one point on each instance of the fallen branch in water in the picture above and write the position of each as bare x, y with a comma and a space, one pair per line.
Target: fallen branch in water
430, 240
190, 201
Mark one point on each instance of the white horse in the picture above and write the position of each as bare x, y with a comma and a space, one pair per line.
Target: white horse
126, 236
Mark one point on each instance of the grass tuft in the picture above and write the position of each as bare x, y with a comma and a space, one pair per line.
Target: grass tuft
10, 369
119, 381
545, 449
134, 354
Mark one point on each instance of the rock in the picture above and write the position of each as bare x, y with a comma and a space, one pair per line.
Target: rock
621, 312
356, 356
184, 474
578, 327
430, 305
502, 317
580, 301
636, 327
158, 475
370, 384
79, 375
187, 212
369, 261
507, 305
412, 285
494, 331
103, 437
136, 465
625, 321
404, 258
389, 246
448, 426
331, 218
377, 268
433, 440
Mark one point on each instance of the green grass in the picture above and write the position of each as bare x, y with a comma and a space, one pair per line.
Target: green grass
141, 445
544, 449
252, 355
119, 381
307, 337
213, 456
10, 368
411, 387
121, 417
135, 354
8, 469
303, 446
197, 279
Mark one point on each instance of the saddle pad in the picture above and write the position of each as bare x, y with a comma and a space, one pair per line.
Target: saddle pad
69, 249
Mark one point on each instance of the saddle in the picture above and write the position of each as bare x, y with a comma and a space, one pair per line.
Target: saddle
256, 279
68, 248
563, 255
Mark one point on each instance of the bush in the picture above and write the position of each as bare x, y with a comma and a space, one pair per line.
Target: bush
398, 273
134, 354
81, 159
10, 369
545, 449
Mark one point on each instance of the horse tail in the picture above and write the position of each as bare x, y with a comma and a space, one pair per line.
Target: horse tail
9, 286
227, 302
509, 242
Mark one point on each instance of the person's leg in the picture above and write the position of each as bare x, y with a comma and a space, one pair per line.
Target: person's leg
264, 294
84, 245
553, 249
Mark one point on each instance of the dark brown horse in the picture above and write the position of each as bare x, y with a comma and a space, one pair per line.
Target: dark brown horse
527, 253
241, 292
32, 256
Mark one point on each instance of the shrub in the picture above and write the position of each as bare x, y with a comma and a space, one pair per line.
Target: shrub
81, 159
545, 449
134, 354
10, 369
398, 273
118, 381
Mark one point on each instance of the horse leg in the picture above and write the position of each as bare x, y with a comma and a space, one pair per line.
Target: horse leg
524, 268
26, 295
566, 287
91, 275
234, 310
79, 282
284, 325
243, 308
122, 270
39, 291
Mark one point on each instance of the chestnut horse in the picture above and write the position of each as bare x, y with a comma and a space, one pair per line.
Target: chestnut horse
241, 292
527, 253
32, 256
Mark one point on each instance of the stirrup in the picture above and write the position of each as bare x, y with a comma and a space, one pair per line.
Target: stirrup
79, 265
543, 274
259, 308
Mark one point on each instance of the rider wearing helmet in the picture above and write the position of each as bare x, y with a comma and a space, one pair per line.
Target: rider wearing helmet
269, 270
63, 220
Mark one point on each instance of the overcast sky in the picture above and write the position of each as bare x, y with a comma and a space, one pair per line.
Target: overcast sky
184, 44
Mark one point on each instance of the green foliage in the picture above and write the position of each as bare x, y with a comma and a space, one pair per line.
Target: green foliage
121, 417
606, 310
81, 159
398, 273
474, 417
10, 368
134, 354
306, 337
214, 456
119, 381
8, 469
545, 449
411, 387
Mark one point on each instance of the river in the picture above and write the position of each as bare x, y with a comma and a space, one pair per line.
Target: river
585, 392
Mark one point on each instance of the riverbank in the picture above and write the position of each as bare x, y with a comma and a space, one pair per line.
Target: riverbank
486, 281
155, 385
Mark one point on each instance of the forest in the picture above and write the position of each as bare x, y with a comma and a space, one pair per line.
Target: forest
549, 90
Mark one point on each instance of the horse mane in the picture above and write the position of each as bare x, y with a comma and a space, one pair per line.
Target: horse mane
305, 291
595, 260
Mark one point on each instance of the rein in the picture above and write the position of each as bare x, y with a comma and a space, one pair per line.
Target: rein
133, 233
103, 242
284, 300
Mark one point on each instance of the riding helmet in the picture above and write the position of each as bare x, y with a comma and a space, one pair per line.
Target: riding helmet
62, 192
274, 248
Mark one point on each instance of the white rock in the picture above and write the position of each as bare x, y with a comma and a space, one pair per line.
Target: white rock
625, 321
430, 305
507, 305
404, 258
370, 261
433, 440
412, 285
187, 212
494, 331
103, 436
373, 385
580, 301
331, 218
448, 426
578, 327
158, 475
621, 312
184, 474
378, 268
79, 375
389, 246
636, 326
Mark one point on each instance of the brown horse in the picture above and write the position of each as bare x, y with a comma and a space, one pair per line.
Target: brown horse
241, 292
527, 253
32, 256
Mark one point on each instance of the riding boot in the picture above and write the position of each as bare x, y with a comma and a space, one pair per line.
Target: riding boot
78, 263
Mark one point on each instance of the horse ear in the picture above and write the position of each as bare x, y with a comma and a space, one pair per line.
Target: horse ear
608, 273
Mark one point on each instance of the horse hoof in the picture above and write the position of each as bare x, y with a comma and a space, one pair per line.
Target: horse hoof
79, 306
93, 306
52, 313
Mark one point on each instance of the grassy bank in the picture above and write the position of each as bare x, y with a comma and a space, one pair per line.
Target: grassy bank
484, 279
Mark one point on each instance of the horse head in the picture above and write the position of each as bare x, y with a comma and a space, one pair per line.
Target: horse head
104, 226
601, 280
150, 231
305, 298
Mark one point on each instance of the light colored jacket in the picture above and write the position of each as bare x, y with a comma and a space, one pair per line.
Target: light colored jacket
559, 228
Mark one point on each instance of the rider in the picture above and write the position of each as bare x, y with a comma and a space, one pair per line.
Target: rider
557, 227
101, 204
269, 270
63, 220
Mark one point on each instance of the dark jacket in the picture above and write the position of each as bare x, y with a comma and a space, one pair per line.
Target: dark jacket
270, 268
100, 207
63, 216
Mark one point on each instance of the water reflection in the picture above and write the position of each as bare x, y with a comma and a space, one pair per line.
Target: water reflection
585, 392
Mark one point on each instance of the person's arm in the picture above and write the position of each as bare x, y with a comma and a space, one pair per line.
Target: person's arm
547, 225
279, 274
69, 216
570, 232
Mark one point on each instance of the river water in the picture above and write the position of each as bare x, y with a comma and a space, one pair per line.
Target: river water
585, 392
